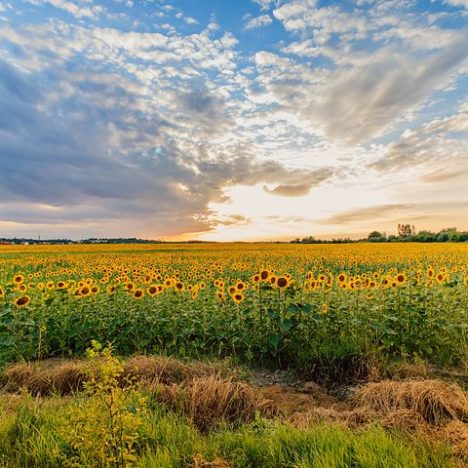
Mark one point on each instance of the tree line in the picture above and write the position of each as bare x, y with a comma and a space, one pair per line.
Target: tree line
406, 233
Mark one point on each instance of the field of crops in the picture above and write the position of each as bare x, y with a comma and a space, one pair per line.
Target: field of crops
315, 308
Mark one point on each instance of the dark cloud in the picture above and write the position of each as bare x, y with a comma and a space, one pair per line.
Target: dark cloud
76, 161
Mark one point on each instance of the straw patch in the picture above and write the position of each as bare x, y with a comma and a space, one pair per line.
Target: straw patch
434, 400
213, 399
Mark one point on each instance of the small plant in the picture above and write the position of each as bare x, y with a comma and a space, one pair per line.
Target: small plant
105, 427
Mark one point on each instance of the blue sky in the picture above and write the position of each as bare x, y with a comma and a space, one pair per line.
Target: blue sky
230, 120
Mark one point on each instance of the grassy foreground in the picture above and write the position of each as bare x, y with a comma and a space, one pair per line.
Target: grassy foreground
161, 412
38, 433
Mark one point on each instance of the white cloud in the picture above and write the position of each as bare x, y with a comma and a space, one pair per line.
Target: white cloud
443, 141
370, 86
303, 49
268, 59
90, 12
265, 4
295, 14
258, 22
457, 3
190, 21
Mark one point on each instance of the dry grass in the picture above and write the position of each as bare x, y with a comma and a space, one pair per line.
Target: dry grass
434, 400
66, 376
406, 420
456, 432
45, 377
345, 417
168, 370
200, 462
203, 392
209, 400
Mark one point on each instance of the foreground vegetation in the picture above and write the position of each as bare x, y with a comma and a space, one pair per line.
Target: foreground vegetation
36, 436
154, 412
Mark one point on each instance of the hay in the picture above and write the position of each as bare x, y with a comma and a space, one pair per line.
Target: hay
63, 377
200, 462
406, 420
167, 370
44, 378
434, 400
456, 432
209, 400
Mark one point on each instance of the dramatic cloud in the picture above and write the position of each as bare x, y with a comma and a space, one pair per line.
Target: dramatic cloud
119, 163
166, 120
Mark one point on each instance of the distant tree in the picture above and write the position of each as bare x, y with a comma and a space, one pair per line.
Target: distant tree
376, 236
405, 230
425, 236
443, 236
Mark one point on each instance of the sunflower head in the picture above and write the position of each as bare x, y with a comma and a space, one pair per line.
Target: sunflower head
282, 282
138, 294
18, 279
264, 274
240, 286
401, 278
22, 301
152, 290
237, 298
85, 291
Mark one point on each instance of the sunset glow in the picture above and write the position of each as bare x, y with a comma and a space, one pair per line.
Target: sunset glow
246, 120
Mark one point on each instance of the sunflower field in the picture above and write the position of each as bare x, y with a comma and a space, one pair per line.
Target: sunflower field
315, 308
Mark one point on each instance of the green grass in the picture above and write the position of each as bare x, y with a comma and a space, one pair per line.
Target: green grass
33, 433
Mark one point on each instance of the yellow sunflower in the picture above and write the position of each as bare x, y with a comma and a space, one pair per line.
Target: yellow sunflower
22, 301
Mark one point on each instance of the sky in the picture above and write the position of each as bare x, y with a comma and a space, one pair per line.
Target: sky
232, 119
